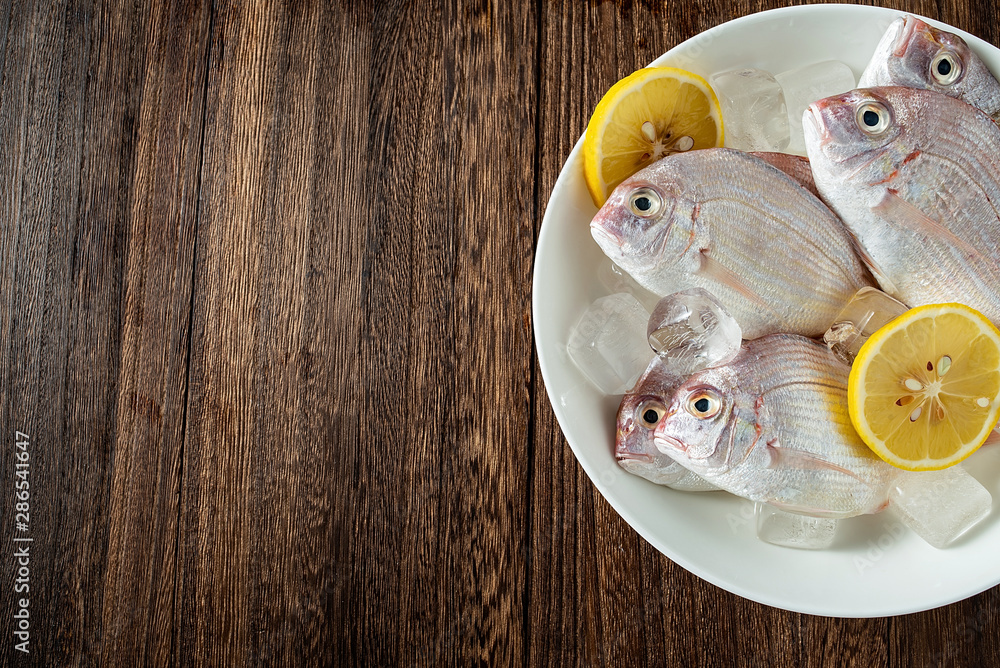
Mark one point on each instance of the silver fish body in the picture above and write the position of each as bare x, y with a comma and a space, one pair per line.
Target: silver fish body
640, 411
919, 189
914, 54
772, 426
726, 221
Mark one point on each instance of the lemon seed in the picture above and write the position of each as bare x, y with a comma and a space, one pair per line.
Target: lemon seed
943, 365
649, 132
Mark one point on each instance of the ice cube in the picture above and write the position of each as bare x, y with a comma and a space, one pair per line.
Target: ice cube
868, 310
805, 85
753, 110
786, 529
691, 330
940, 506
609, 343
616, 279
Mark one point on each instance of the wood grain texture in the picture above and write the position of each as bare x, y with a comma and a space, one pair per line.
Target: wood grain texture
265, 275
155, 325
348, 274
101, 128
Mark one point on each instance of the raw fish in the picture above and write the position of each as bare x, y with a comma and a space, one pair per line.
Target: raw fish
915, 175
916, 55
795, 166
772, 253
772, 426
638, 415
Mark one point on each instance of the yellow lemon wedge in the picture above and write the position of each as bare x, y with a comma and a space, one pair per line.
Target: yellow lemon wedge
924, 390
649, 114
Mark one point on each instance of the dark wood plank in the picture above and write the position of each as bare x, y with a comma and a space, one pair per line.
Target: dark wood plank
237, 578
100, 124
138, 614
354, 463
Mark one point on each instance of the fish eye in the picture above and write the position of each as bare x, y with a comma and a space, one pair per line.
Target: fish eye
704, 404
874, 118
644, 202
946, 68
650, 413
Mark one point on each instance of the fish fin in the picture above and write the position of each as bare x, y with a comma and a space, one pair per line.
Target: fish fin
880, 276
795, 166
896, 209
799, 459
803, 510
713, 269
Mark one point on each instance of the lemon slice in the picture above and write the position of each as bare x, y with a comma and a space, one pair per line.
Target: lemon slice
647, 115
924, 391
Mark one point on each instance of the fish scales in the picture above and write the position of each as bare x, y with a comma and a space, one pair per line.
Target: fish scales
739, 246
920, 200
772, 253
734, 183
914, 54
796, 166
782, 434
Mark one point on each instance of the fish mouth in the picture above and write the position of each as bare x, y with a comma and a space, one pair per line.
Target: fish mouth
906, 32
666, 443
624, 449
812, 119
634, 458
604, 237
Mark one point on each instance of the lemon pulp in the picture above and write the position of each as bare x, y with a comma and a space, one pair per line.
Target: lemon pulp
647, 115
924, 391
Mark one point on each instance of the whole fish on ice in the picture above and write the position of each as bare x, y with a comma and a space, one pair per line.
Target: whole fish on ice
915, 175
639, 413
772, 426
772, 253
916, 55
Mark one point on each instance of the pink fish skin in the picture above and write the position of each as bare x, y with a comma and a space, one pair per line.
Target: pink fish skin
919, 188
916, 55
796, 166
640, 411
728, 222
772, 426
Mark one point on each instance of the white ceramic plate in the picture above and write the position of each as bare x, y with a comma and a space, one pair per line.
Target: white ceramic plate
875, 568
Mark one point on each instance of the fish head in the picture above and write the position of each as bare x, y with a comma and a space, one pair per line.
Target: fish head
917, 55
857, 134
634, 225
640, 412
694, 429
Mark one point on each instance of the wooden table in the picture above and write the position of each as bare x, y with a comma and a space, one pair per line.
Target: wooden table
265, 329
